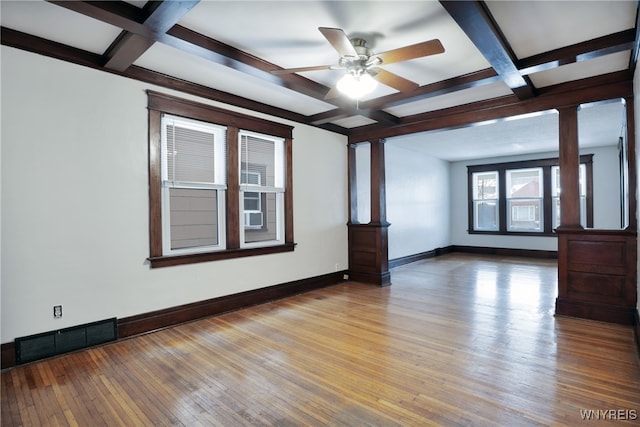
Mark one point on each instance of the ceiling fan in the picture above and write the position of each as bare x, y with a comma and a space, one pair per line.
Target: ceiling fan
362, 65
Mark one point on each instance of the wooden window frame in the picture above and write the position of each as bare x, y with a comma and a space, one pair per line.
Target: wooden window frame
546, 165
158, 104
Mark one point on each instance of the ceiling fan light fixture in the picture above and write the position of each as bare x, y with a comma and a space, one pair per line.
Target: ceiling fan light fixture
356, 85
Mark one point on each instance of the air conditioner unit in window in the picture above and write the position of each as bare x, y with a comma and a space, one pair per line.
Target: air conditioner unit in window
253, 219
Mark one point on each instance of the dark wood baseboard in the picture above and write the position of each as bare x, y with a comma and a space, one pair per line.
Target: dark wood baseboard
596, 311
381, 279
149, 322
529, 253
397, 262
8, 354
479, 250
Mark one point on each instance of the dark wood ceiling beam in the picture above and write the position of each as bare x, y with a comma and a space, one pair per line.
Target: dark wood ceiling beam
608, 86
189, 41
591, 49
475, 20
197, 44
221, 53
160, 17
34, 44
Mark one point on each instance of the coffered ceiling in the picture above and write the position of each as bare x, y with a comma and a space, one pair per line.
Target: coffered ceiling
498, 52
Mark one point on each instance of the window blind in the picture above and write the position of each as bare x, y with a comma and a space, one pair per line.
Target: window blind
261, 161
195, 152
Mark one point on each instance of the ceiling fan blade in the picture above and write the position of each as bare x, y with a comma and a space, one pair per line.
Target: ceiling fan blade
333, 93
339, 41
301, 69
395, 81
418, 50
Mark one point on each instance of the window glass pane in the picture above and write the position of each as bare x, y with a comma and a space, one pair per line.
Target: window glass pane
263, 225
555, 212
193, 152
485, 185
259, 161
555, 181
193, 218
252, 201
262, 188
524, 183
486, 216
524, 215
583, 179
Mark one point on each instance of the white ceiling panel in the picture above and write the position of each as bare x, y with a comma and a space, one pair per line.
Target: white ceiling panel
466, 96
600, 125
593, 67
533, 27
52, 22
355, 121
522, 135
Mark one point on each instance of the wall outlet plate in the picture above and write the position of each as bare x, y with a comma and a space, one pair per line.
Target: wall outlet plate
57, 311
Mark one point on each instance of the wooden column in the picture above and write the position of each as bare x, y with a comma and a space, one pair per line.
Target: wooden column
569, 158
632, 183
596, 268
368, 243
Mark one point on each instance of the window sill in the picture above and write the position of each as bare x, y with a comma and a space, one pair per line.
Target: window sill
514, 233
167, 261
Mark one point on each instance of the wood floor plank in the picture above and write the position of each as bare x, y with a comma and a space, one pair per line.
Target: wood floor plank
456, 340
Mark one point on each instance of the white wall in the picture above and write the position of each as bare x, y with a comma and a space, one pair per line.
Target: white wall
606, 211
606, 187
75, 204
417, 191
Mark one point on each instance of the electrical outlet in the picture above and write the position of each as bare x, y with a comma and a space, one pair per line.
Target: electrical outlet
57, 311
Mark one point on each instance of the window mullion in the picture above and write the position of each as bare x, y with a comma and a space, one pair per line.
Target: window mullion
547, 201
233, 189
502, 201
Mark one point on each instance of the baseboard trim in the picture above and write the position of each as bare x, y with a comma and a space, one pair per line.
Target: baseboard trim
478, 250
8, 354
596, 311
160, 319
529, 253
151, 321
397, 262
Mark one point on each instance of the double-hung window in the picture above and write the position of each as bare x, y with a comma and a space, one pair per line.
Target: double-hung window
193, 185
524, 200
485, 201
261, 188
523, 197
220, 183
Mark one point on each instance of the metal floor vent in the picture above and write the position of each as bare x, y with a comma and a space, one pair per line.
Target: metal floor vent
46, 344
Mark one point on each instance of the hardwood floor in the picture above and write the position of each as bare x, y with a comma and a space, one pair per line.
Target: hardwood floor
456, 340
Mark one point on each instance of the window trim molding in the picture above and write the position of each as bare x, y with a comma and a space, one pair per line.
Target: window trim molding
546, 165
158, 104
